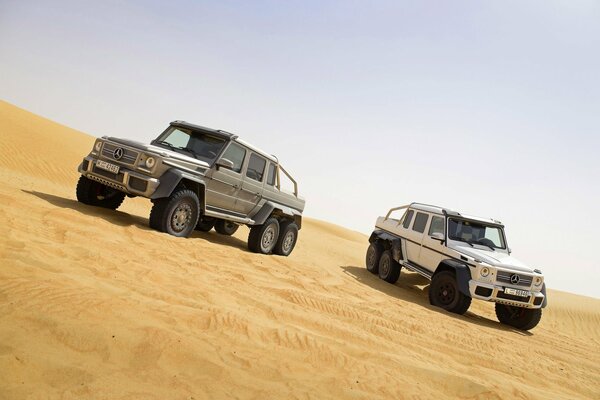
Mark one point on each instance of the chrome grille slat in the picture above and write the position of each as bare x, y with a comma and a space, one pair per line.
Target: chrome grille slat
129, 156
505, 277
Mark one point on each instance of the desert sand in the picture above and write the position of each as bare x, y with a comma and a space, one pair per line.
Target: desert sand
95, 305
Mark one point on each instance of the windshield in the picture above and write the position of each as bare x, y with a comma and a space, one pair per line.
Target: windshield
474, 232
195, 144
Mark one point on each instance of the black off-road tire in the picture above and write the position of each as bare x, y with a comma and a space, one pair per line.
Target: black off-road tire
177, 214
373, 256
263, 238
96, 194
288, 236
226, 227
444, 293
518, 317
389, 269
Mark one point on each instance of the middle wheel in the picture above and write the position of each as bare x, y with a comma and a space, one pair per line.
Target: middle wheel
263, 238
389, 269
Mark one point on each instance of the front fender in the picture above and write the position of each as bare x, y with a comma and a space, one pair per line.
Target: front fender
462, 272
169, 181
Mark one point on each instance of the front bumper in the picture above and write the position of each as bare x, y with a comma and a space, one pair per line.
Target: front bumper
127, 180
495, 293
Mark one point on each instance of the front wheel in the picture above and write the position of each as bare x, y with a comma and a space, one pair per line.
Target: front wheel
263, 238
444, 293
96, 194
177, 214
518, 317
287, 238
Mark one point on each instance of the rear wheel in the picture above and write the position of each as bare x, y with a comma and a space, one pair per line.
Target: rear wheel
177, 214
96, 194
444, 293
287, 238
518, 317
226, 227
263, 238
373, 255
389, 269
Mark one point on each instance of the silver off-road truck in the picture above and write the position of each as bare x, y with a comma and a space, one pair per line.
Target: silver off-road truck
197, 178
465, 258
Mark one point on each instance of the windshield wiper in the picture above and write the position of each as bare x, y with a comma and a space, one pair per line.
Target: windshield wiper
469, 241
486, 245
190, 151
169, 145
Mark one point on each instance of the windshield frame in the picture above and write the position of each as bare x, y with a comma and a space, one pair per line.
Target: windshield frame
187, 151
500, 227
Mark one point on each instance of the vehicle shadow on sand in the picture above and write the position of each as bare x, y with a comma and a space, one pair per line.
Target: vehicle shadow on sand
414, 288
124, 219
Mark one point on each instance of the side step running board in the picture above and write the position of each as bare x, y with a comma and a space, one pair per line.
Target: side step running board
229, 217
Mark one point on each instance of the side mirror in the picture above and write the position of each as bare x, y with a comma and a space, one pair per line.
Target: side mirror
437, 236
225, 163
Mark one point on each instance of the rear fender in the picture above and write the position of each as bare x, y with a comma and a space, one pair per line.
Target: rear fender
390, 242
272, 208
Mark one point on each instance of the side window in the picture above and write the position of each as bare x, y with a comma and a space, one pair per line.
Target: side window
271, 176
256, 167
420, 222
437, 225
235, 153
408, 218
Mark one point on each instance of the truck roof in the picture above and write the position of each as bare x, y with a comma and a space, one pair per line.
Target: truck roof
450, 213
225, 135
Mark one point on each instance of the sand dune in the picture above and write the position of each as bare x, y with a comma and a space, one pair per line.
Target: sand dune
95, 305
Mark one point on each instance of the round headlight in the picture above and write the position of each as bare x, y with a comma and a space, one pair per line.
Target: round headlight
537, 281
485, 271
150, 162
98, 146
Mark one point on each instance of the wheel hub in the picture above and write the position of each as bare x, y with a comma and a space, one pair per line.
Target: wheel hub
181, 217
268, 237
287, 241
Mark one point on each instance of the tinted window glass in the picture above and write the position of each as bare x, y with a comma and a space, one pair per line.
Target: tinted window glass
235, 153
408, 218
420, 222
437, 225
256, 167
271, 176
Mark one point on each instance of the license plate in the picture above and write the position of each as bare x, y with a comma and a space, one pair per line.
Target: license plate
107, 166
516, 292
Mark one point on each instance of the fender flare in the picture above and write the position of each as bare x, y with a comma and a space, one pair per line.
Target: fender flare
545, 302
394, 241
170, 180
462, 272
267, 209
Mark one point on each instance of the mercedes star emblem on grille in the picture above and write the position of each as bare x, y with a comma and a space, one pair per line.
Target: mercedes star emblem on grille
514, 278
118, 153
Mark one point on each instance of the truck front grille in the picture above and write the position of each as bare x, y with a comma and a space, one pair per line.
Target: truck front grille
506, 277
128, 157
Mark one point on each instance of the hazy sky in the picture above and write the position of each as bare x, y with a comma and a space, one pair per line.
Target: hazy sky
491, 108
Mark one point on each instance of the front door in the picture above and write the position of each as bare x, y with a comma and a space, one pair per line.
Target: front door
431, 249
224, 184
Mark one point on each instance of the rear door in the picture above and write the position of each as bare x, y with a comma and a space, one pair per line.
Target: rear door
252, 184
414, 234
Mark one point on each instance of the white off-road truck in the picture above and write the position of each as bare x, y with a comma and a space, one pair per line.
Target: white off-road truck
465, 257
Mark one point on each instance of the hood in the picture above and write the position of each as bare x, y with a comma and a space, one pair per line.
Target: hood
160, 151
494, 258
